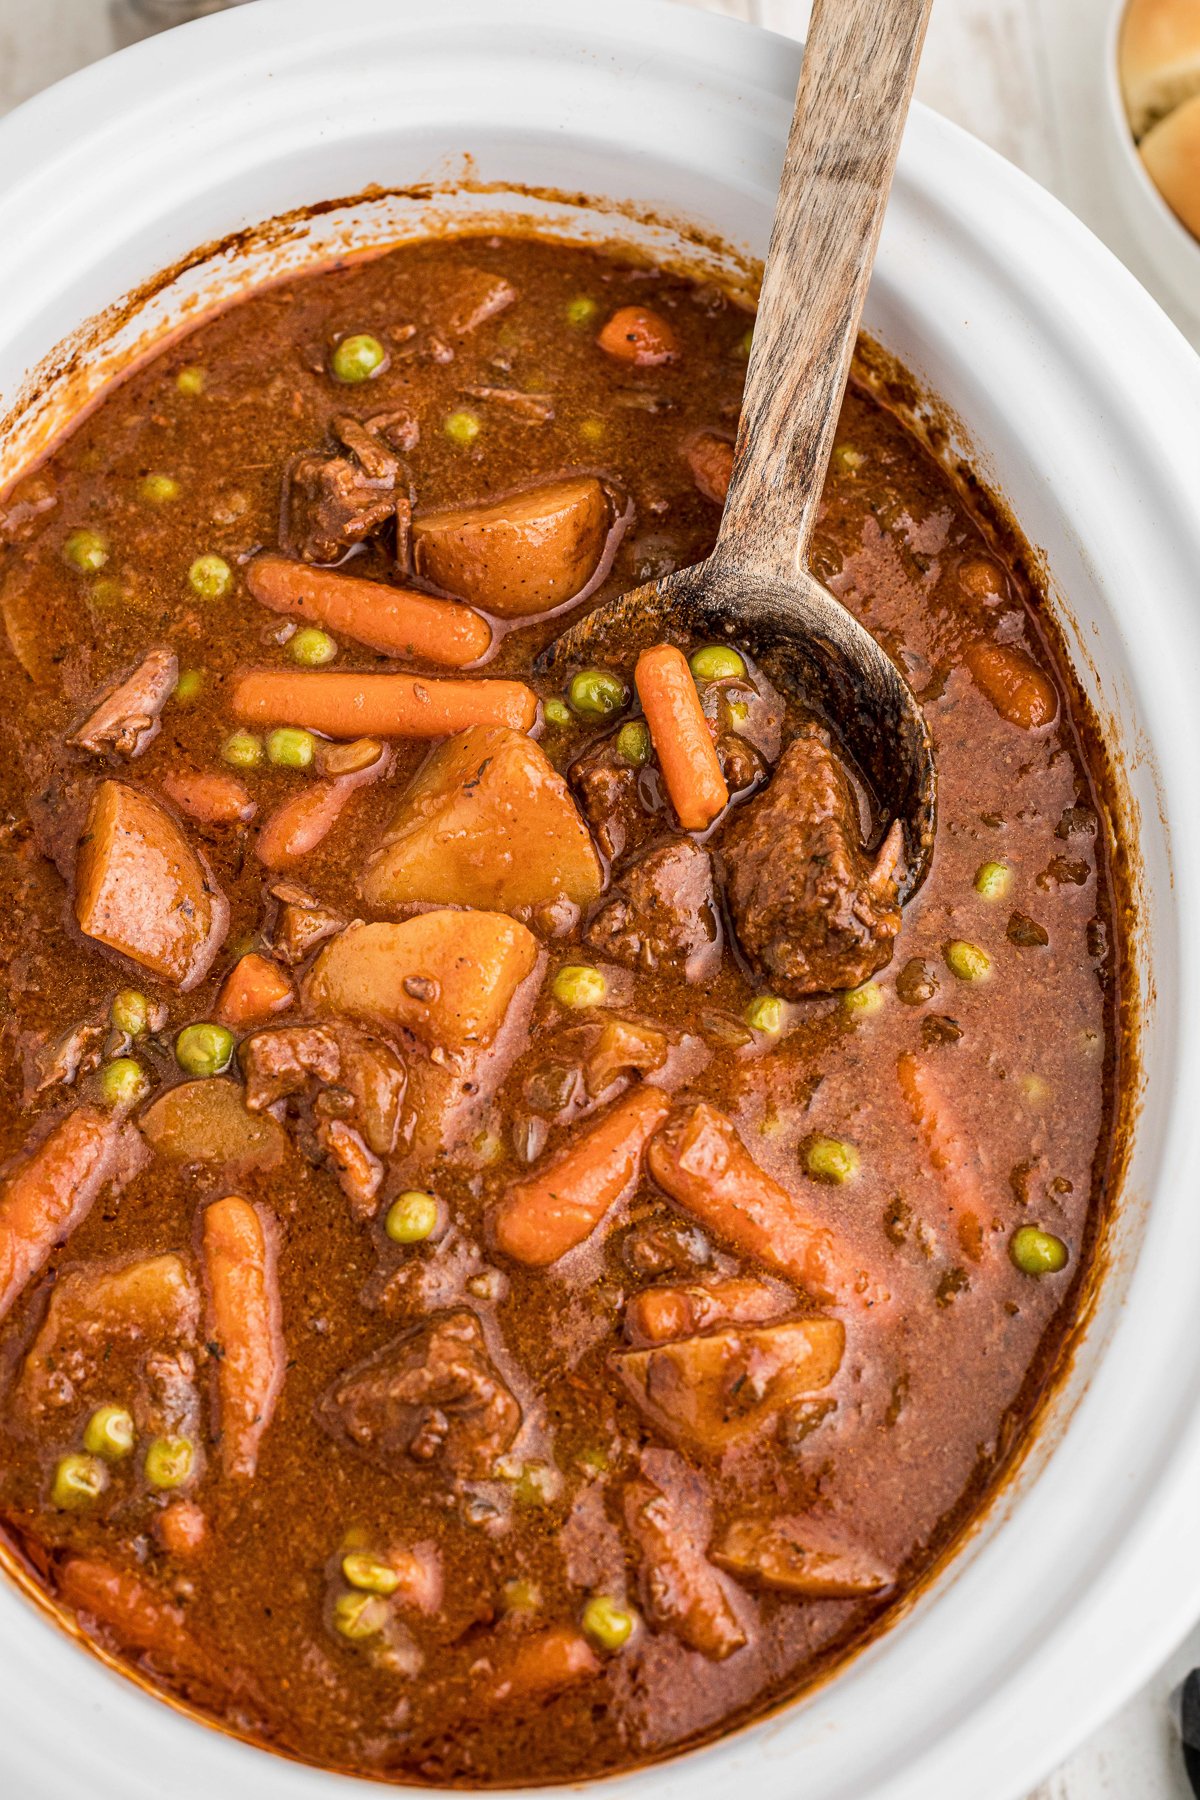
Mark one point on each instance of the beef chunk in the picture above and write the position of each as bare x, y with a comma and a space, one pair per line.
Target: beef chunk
128, 716
809, 911
663, 915
303, 923
431, 1396
334, 502
616, 798
355, 1083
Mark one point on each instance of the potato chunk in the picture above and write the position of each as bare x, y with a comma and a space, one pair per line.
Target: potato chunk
128, 1330
206, 1121
517, 556
141, 889
486, 822
448, 977
798, 1556
712, 1392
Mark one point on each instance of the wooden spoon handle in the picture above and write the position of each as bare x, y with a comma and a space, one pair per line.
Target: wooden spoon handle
860, 62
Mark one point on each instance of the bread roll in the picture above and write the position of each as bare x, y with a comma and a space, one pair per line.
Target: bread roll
1159, 58
1171, 153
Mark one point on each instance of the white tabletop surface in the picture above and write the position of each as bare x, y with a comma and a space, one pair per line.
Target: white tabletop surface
1023, 75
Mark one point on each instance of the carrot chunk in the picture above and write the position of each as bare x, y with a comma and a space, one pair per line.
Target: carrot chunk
701, 1162
239, 1256
682, 740
1014, 684
396, 621
949, 1152
255, 988
557, 1207
53, 1189
542, 1664
182, 1528
210, 799
343, 704
639, 336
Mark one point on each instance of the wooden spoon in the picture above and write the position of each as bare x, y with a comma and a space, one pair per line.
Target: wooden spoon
755, 588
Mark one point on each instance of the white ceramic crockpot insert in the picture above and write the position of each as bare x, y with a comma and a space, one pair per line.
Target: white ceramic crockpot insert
1081, 406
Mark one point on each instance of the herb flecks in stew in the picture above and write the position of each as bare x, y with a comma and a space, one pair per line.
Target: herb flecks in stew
514, 1254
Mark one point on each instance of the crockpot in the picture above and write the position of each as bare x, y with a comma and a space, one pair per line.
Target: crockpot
1077, 403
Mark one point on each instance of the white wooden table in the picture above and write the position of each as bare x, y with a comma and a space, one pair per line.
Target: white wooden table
1021, 74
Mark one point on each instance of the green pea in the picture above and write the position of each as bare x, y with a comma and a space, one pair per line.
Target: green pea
521, 1595
556, 712
290, 748
242, 750
607, 1623
831, 1159
716, 662
633, 742
169, 1461
993, 880
967, 961
865, 999
159, 490
360, 1616
190, 685
582, 310
743, 344
577, 985
312, 648
534, 1483
123, 1082
78, 1480
370, 1574
765, 1013
1037, 1252
86, 551
848, 459
204, 1050
130, 1013
191, 381
357, 358
210, 577
595, 693
592, 431
412, 1217
109, 1433
462, 427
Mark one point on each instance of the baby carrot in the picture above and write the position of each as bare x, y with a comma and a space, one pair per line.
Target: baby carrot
539, 1664
681, 736
397, 621
343, 704
244, 1322
947, 1149
1014, 684
637, 335
701, 1162
558, 1206
140, 1616
53, 1189
255, 988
